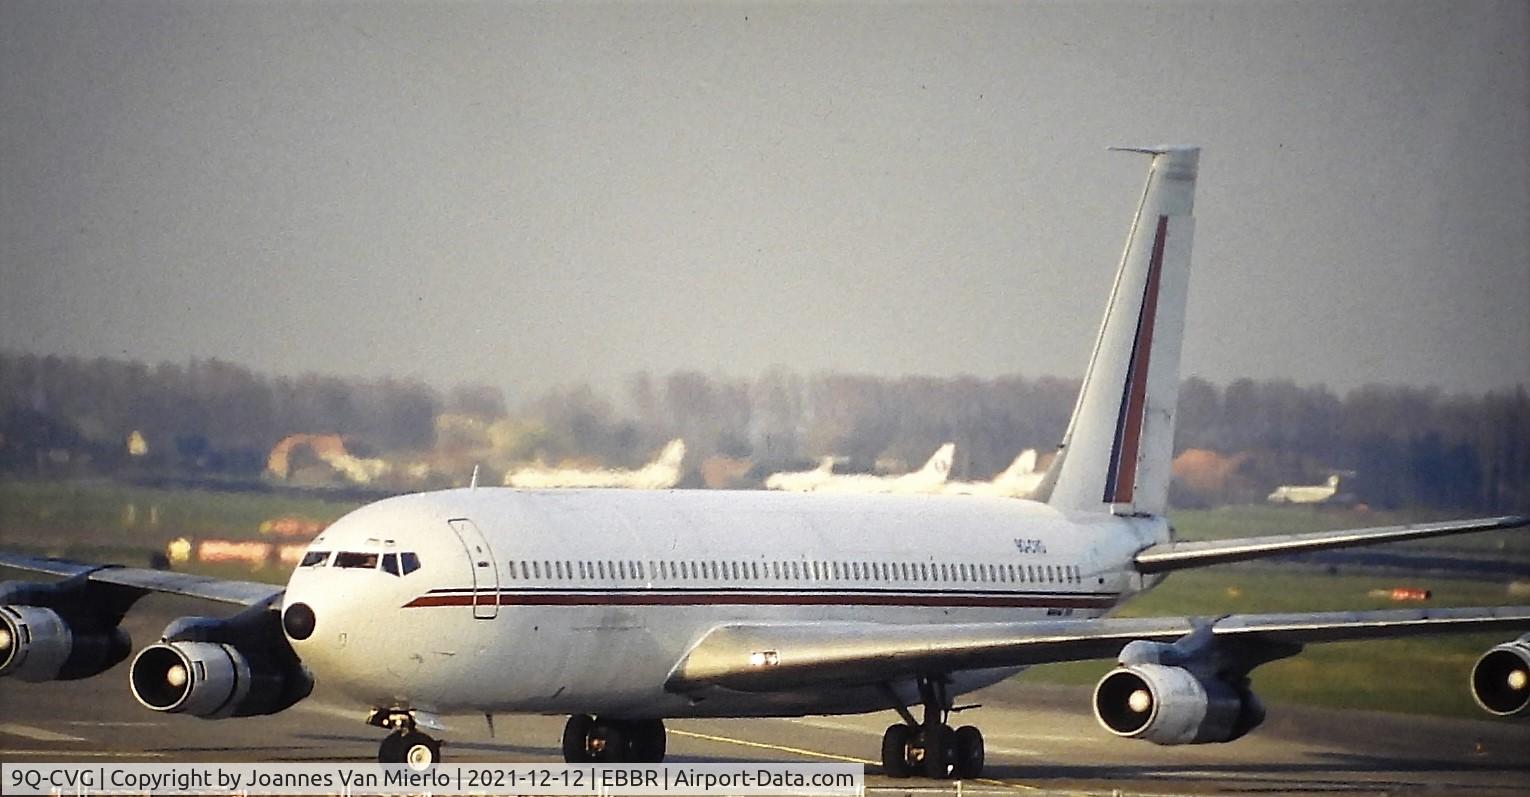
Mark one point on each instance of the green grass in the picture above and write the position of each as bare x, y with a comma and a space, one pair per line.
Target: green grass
105, 521
1420, 675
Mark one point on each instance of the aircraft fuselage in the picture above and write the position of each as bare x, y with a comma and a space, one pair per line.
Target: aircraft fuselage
584, 601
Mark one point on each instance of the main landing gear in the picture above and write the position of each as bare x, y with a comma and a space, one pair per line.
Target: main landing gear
930, 748
406, 744
597, 740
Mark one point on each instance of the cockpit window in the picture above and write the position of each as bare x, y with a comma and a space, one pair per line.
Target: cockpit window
314, 559
400, 564
355, 559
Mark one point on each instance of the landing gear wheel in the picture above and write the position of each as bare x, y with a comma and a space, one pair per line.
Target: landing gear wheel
392, 749
409, 747
936, 741
895, 742
969, 753
647, 741
420, 751
587, 740
576, 739
608, 743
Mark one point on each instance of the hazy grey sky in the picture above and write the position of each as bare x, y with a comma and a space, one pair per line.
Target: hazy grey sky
536, 194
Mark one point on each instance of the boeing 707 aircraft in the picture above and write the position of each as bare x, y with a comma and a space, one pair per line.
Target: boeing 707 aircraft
625, 608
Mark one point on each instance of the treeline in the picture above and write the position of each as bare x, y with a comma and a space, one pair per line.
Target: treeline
1394, 446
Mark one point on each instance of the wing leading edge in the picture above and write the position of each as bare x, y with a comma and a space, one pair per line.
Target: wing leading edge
240, 593
764, 658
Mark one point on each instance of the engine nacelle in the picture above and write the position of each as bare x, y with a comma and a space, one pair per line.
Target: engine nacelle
1171, 705
38, 644
1501, 679
216, 669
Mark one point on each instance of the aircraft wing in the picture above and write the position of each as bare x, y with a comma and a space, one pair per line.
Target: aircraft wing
1180, 555
242, 593
764, 658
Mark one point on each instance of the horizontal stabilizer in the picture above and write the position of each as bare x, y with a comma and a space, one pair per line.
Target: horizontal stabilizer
1182, 555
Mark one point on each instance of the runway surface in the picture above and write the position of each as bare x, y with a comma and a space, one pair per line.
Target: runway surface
1039, 739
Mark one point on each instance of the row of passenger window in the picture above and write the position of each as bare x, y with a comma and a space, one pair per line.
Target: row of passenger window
723, 571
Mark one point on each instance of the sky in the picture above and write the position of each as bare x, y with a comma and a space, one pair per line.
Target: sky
530, 195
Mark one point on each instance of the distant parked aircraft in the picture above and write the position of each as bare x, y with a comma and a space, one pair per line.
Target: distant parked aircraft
1305, 494
1018, 480
801, 481
927, 479
661, 474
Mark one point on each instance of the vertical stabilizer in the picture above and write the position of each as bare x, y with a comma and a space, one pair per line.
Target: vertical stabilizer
938, 467
1115, 454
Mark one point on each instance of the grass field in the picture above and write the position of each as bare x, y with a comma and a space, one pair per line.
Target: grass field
105, 521
102, 521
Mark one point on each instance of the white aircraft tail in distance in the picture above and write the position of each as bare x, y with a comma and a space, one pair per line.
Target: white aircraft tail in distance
927, 479
624, 608
662, 473
1018, 480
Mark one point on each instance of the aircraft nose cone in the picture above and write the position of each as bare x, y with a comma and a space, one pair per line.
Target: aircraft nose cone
298, 621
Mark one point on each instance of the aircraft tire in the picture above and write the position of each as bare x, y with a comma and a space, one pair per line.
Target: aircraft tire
576, 739
937, 741
647, 741
969, 752
420, 751
895, 741
409, 747
391, 751
609, 743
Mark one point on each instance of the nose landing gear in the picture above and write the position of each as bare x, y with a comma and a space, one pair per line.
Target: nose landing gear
931, 748
406, 744
598, 740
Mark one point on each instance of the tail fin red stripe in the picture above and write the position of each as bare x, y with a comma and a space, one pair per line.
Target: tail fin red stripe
1122, 476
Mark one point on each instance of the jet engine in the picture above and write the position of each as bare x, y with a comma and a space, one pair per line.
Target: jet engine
1172, 705
220, 668
59, 642
1501, 679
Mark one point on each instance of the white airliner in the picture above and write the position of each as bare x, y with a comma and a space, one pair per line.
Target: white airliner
624, 608
927, 479
1305, 494
1018, 480
660, 474
801, 481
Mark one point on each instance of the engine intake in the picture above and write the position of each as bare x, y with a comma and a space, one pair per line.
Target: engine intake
1171, 705
241, 667
39, 644
1501, 679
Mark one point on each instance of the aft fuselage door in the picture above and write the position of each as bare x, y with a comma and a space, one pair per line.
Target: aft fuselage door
481, 562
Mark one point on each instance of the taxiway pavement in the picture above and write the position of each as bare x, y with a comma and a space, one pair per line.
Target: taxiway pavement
1039, 739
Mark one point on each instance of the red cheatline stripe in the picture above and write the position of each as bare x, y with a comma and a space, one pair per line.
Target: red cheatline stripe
767, 599
1121, 487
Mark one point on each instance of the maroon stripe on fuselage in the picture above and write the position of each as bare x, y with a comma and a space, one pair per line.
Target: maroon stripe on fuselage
1121, 483
770, 599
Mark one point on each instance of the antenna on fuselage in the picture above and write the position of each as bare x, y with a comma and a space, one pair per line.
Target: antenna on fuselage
473, 485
